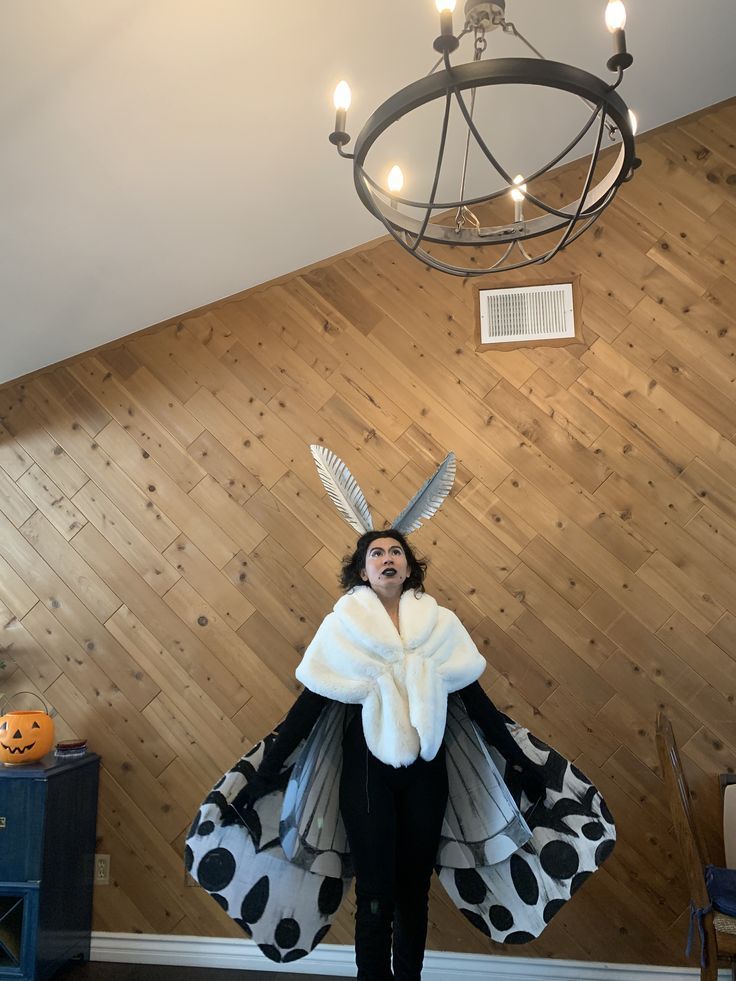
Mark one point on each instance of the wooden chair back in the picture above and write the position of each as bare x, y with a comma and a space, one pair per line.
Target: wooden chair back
686, 830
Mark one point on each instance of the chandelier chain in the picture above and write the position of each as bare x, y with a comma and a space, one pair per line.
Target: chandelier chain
480, 43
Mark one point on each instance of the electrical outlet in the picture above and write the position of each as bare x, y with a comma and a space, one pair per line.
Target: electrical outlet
102, 870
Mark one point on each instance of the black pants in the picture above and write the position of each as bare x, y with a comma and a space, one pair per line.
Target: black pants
393, 818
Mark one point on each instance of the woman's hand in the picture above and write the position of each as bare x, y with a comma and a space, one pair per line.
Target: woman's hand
258, 786
531, 778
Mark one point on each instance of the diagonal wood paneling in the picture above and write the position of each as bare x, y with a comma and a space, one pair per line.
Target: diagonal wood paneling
166, 550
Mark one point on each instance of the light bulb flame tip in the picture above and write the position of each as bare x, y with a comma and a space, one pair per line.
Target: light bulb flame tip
615, 15
342, 95
395, 180
517, 192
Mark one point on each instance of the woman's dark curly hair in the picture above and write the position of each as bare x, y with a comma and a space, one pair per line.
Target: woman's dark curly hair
353, 565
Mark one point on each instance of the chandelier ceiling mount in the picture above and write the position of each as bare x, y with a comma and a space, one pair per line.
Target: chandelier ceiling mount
488, 13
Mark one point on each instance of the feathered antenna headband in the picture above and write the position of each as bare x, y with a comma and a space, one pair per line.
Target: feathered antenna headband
348, 498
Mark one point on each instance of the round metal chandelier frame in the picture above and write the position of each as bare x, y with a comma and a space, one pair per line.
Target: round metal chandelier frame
609, 113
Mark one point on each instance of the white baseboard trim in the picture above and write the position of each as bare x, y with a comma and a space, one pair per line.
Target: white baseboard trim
332, 960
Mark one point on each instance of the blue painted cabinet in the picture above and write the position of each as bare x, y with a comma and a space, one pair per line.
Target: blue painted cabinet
48, 816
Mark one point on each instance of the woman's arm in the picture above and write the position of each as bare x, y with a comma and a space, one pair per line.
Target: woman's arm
295, 727
489, 720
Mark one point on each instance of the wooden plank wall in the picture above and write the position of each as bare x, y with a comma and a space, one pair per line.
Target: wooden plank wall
166, 550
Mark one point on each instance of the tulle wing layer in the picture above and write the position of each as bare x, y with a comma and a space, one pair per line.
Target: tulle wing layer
512, 899
285, 908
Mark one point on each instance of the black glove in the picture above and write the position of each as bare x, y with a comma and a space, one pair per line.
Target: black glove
297, 725
521, 773
531, 778
258, 786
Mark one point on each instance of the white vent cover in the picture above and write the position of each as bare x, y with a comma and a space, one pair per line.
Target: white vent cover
526, 313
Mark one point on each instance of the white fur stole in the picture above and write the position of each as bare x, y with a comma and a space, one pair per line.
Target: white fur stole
402, 679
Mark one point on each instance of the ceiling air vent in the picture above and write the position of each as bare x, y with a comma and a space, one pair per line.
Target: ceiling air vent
527, 315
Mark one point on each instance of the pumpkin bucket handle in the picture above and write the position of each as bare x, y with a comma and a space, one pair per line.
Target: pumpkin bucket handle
4, 703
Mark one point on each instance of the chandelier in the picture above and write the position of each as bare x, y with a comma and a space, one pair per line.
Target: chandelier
527, 228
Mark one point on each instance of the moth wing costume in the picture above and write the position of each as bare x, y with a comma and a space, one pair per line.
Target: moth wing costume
507, 862
507, 868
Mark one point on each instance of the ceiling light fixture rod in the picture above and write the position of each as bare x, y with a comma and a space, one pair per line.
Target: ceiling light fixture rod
463, 212
437, 171
588, 180
510, 28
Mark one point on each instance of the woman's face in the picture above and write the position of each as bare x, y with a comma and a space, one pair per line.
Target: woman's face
386, 567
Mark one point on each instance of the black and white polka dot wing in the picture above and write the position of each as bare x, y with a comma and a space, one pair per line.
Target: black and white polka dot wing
572, 833
284, 907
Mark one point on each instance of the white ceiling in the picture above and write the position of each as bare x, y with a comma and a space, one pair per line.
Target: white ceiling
158, 155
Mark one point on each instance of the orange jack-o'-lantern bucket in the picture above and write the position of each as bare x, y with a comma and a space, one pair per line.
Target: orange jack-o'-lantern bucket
25, 736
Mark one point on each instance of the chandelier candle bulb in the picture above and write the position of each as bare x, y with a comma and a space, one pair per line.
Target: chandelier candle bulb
517, 193
447, 40
517, 196
341, 100
395, 182
342, 95
615, 16
615, 22
445, 8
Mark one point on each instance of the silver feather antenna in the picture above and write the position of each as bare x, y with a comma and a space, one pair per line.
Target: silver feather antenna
343, 489
428, 498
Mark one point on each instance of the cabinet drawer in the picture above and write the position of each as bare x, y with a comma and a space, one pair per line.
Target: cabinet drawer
21, 829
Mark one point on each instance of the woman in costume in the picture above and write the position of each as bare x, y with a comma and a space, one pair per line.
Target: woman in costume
392, 762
